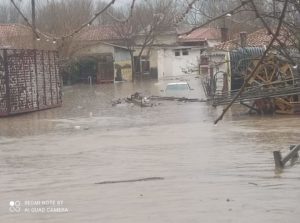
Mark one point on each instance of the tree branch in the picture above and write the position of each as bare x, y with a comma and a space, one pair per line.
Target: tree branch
243, 3
257, 65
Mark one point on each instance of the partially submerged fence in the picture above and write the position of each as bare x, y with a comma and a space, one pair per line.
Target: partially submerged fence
29, 81
291, 156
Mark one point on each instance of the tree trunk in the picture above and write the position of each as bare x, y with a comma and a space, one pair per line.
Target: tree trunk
132, 66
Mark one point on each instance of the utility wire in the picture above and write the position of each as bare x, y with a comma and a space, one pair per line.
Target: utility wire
25, 18
232, 11
71, 34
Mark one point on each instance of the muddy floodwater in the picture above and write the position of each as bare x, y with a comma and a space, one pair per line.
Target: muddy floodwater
89, 161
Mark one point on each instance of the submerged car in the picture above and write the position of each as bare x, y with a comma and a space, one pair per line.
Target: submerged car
178, 89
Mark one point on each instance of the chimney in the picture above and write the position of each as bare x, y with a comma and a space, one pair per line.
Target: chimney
243, 36
224, 34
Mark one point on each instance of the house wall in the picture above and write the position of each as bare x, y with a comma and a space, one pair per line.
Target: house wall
171, 65
121, 57
212, 43
94, 49
152, 57
123, 61
168, 38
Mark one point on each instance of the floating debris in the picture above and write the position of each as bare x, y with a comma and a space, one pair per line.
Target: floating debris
144, 101
139, 99
182, 99
131, 181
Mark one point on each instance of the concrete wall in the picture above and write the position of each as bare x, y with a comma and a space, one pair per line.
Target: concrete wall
171, 65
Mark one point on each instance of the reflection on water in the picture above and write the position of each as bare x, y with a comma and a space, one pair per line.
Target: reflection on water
210, 173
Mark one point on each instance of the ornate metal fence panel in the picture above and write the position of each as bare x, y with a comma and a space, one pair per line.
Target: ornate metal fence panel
29, 81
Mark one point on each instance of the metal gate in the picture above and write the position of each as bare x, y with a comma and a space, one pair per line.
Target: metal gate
29, 81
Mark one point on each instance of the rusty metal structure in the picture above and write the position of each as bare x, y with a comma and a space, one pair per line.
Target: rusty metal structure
29, 81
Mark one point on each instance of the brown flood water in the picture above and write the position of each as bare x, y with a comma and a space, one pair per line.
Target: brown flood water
125, 164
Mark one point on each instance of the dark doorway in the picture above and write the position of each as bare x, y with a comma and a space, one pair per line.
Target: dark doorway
105, 69
87, 70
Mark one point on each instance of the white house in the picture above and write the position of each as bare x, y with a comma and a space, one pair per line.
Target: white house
173, 54
177, 61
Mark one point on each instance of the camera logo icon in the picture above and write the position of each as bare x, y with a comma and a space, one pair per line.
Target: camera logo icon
15, 206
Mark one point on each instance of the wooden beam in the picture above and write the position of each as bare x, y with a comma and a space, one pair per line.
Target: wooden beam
292, 155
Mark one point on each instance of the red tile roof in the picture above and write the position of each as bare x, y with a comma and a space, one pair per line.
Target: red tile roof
259, 38
19, 36
13, 30
201, 34
97, 33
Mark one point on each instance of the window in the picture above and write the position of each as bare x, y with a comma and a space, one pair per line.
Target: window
141, 65
185, 52
177, 53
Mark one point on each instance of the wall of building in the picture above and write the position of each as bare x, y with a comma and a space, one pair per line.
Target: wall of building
94, 49
168, 39
152, 56
172, 62
162, 39
121, 57
123, 62
29, 81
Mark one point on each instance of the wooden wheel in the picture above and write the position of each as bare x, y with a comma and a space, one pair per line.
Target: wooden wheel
273, 73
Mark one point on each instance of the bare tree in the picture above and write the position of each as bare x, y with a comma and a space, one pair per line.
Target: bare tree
8, 13
146, 20
60, 17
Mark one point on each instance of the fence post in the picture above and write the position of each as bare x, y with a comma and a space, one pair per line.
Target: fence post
277, 159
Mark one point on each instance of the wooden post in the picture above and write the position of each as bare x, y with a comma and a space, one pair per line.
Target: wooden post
292, 155
277, 159
296, 155
33, 23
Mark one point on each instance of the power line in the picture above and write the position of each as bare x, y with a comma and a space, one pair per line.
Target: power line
71, 34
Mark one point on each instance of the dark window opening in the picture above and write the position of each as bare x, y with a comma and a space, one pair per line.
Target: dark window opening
177, 53
185, 52
141, 65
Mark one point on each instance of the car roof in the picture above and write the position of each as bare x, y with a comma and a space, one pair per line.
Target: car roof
175, 83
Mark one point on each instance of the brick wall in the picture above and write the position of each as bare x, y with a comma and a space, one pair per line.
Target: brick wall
29, 81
